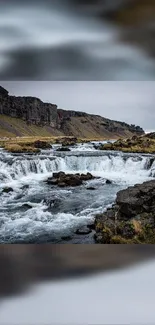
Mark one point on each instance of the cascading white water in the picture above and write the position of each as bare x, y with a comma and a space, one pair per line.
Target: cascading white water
111, 166
34, 212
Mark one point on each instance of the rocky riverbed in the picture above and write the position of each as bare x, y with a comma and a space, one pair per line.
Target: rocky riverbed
137, 144
39, 202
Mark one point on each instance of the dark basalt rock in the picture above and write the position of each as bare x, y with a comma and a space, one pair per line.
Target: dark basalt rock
3, 92
7, 190
91, 188
108, 181
27, 206
30, 109
132, 219
63, 149
61, 179
33, 111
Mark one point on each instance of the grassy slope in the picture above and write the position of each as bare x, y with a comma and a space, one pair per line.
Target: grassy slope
10, 127
89, 127
92, 127
142, 144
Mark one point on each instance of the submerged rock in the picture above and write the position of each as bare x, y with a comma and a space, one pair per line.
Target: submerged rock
108, 181
27, 206
91, 188
132, 219
63, 149
83, 231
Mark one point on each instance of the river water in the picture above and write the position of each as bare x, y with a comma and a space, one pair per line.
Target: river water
35, 212
54, 41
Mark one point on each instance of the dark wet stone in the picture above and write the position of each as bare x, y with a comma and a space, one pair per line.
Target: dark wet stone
66, 238
83, 231
63, 149
91, 188
108, 181
61, 179
26, 206
7, 190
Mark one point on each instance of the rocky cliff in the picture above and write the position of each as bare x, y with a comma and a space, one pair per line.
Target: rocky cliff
26, 115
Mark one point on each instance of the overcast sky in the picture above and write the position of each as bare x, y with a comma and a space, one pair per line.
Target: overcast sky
132, 102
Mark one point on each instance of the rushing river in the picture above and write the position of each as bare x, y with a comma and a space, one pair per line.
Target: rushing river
35, 212
53, 41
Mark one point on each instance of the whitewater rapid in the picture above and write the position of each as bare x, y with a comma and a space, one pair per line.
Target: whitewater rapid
36, 212
64, 44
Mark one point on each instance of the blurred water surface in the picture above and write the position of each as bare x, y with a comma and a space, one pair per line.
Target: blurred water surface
53, 40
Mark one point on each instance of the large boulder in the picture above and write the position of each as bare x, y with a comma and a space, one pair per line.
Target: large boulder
136, 200
131, 219
61, 179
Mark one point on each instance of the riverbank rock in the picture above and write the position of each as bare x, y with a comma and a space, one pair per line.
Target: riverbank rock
62, 180
67, 141
42, 145
131, 219
22, 148
136, 144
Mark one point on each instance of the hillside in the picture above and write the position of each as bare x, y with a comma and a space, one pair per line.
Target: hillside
29, 116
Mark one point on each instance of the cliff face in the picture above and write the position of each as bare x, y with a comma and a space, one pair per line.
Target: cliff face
31, 111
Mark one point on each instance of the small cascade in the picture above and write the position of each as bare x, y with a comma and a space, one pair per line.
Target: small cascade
102, 164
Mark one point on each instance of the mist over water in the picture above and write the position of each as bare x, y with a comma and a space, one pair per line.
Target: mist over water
55, 41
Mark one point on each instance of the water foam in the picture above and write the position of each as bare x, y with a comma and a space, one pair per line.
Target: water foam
25, 215
129, 168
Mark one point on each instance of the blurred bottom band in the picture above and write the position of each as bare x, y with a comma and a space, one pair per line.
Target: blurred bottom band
22, 266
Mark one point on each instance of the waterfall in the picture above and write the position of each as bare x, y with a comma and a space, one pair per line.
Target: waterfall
35, 212
103, 165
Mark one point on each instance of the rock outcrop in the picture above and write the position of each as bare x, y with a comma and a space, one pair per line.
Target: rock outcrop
64, 180
131, 219
32, 111
137, 144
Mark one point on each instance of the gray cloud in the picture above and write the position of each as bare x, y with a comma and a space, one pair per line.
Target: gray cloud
132, 102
